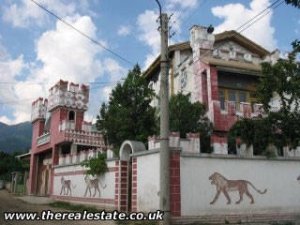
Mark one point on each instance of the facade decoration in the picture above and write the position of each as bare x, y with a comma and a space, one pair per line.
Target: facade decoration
93, 183
224, 186
66, 187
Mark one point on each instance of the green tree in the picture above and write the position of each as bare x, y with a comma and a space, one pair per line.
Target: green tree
96, 166
282, 81
295, 3
9, 163
188, 117
128, 114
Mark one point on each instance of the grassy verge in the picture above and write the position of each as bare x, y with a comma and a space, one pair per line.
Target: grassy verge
81, 208
73, 207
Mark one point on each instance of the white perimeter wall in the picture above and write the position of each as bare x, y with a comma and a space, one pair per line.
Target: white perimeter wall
75, 173
278, 176
148, 182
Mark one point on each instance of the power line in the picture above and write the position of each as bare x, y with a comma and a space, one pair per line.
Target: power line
260, 17
82, 33
16, 102
44, 83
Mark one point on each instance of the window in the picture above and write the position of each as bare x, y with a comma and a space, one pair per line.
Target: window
71, 116
236, 96
183, 80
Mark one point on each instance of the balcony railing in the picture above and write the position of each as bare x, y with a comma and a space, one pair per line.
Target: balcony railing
44, 139
67, 125
84, 138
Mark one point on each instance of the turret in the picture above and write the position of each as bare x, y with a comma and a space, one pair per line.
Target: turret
39, 109
69, 95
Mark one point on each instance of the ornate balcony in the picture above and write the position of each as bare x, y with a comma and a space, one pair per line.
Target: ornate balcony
44, 139
84, 138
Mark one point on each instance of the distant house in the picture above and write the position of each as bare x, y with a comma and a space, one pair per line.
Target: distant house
221, 71
59, 133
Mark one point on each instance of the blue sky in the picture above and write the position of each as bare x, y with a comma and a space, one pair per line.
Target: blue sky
36, 50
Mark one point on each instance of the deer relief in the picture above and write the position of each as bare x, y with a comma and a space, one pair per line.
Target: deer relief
93, 184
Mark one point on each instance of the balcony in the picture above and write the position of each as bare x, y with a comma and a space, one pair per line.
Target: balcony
84, 138
67, 125
44, 139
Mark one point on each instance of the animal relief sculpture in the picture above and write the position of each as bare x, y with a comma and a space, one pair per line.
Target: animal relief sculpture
93, 184
66, 187
224, 186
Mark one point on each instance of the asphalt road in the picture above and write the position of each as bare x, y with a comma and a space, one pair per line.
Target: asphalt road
8, 203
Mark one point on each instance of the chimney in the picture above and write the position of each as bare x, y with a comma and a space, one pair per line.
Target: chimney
201, 39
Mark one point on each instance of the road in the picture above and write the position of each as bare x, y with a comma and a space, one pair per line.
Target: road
10, 204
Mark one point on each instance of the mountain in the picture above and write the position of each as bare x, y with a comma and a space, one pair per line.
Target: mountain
15, 137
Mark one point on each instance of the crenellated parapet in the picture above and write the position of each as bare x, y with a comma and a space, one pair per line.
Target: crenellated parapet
224, 119
190, 144
69, 95
39, 109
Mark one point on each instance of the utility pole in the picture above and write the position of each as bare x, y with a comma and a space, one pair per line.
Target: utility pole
164, 119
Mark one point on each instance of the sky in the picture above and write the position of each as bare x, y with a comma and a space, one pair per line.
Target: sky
37, 50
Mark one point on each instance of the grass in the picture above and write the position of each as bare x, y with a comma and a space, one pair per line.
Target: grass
284, 223
81, 208
73, 207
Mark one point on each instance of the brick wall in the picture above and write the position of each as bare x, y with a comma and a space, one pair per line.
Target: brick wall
175, 197
123, 180
134, 186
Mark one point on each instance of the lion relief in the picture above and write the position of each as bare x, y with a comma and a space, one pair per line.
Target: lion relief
224, 186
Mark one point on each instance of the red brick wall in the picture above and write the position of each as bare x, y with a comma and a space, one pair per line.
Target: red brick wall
204, 89
117, 191
79, 120
175, 197
37, 130
123, 191
223, 122
32, 173
134, 186
214, 83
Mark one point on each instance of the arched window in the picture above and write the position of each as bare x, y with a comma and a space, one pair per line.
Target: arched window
71, 115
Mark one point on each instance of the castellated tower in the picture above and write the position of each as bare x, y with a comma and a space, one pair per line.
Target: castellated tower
67, 104
59, 131
38, 117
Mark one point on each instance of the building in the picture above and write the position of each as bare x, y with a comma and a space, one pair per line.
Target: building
220, 71
59, 131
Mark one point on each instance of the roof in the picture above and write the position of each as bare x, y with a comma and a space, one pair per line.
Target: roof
232, 64
24, 156
226, 35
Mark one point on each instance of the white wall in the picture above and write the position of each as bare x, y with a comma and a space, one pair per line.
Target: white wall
278, 176
148, 182
75, 173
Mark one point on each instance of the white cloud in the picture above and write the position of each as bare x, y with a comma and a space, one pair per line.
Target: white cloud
9, 70
234, 15
182, 3
124, 30
149, 34
25, 13
147, 25
67, 54
62, 53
